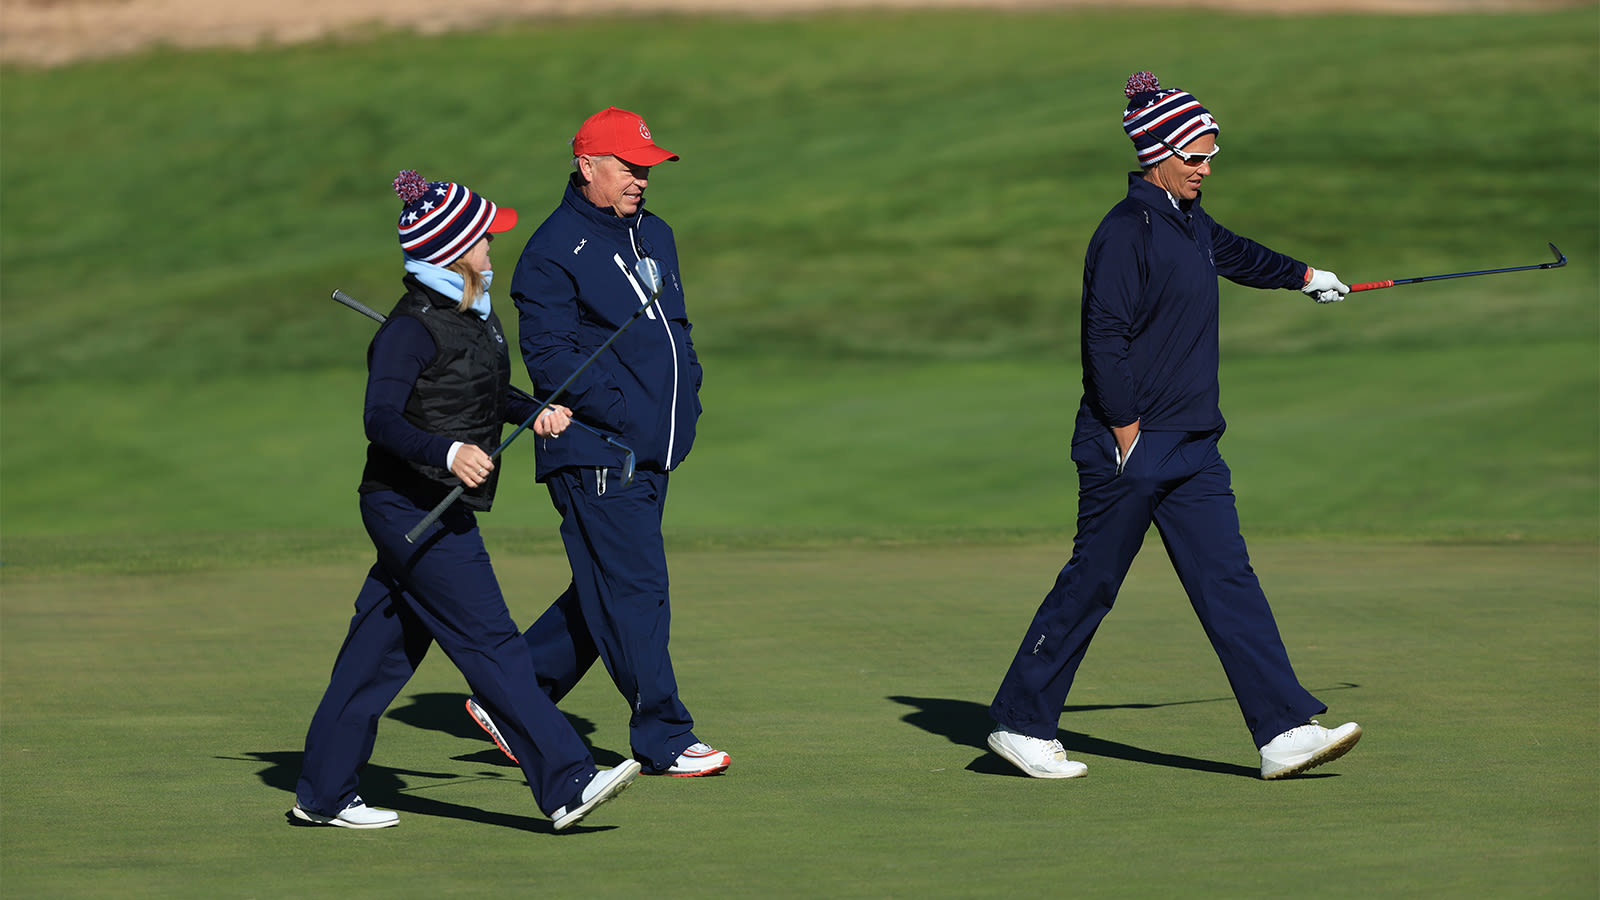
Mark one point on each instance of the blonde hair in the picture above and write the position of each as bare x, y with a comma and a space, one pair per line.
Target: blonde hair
472, 278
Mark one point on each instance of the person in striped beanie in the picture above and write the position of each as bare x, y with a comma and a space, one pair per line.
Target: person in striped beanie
1146, 448
440, 225
1159, 122
442, 220
438, 395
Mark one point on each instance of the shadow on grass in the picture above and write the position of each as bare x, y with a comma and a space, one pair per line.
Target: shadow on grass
447, 713
386, 787
966, 723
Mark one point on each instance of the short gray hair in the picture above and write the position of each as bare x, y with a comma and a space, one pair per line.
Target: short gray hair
577, 157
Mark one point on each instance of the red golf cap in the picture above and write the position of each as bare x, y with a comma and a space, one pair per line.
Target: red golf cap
620, 133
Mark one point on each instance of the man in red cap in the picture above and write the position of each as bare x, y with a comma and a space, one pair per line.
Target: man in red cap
613, 154
574, 288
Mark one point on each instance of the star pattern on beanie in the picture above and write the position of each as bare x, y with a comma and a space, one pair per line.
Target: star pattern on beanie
441, 220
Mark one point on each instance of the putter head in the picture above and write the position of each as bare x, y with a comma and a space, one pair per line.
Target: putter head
1561, 259
649, 273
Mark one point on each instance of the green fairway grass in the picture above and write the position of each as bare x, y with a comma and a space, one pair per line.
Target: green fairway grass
1429, 443
881, 219
153, 728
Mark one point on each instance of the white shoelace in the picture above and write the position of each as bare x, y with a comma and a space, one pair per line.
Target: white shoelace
1052, 748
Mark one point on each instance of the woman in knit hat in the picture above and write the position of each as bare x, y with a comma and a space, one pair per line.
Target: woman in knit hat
1145, 446
438, 394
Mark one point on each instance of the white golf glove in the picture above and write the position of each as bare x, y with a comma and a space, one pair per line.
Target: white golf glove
1325, 287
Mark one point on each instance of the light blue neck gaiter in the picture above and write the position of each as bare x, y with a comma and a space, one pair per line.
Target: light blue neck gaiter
451, 284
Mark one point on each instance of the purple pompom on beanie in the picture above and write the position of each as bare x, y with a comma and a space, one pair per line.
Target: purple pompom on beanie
1173, 116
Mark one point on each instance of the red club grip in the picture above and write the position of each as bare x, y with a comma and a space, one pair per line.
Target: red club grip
1370, 286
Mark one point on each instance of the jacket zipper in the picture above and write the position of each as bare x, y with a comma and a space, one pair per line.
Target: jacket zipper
672, 416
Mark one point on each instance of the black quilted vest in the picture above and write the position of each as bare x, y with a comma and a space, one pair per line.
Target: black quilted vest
460, 395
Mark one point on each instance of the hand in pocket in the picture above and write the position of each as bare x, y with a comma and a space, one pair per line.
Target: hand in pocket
1122, 461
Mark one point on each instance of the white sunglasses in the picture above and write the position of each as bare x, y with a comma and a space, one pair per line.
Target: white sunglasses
1193, 159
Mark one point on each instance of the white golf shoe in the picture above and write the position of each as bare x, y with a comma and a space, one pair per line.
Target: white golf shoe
696, 759
1035, 756
1306, 747
356, 815
605, 785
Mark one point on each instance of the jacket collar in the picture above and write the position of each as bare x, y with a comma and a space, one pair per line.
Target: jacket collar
1157, 198
604, 217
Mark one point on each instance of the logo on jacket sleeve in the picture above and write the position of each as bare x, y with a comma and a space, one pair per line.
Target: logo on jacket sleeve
580, 246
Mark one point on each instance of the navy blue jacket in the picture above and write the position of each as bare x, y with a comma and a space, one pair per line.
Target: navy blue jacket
573, 288
1150, 306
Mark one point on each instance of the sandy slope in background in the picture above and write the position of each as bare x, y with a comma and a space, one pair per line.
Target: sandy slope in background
52, 32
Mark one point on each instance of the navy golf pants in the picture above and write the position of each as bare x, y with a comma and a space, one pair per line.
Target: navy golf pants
616, 609
441, 589
1178, 481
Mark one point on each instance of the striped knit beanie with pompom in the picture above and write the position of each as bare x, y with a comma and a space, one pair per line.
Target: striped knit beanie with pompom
442, 220
1173, 116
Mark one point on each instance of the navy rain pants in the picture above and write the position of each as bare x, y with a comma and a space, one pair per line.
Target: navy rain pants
441, 589
616, 609
1179, 481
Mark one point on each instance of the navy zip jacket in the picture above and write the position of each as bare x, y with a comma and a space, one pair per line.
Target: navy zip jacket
1150, 308
574, 287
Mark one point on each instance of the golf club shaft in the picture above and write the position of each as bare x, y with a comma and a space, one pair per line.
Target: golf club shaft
456, 492
380, 318
1560, 261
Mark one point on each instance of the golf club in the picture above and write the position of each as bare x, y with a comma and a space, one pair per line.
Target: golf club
1560, 261
628, 459
646, 280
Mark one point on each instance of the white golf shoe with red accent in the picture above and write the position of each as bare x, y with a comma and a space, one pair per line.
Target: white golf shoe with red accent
697, 759
481, 716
